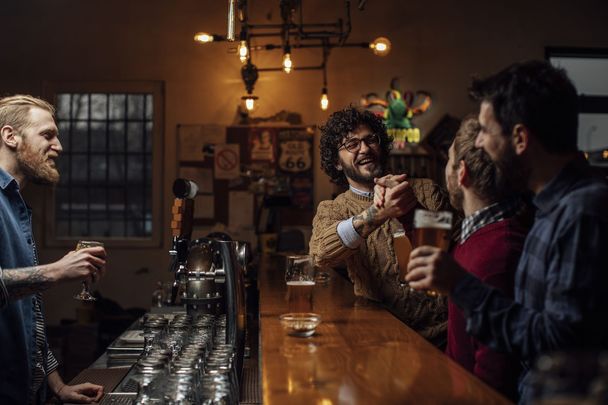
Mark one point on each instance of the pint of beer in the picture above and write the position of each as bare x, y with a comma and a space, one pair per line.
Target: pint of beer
432, 228
300, 279
403, 248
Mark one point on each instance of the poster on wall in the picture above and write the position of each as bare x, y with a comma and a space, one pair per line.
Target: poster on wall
261, 144
295, 162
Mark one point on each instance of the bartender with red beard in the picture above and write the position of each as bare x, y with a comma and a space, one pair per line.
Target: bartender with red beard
29, 145
350, 230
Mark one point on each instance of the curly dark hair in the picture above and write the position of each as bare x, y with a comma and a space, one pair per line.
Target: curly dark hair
535, 94
337, 127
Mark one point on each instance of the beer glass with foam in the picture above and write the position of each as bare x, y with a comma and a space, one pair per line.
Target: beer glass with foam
432, 229
300, 279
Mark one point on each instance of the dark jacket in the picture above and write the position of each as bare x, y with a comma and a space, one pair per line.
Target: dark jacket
17, 318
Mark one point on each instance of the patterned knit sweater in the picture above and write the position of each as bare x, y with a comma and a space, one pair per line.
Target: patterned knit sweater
372, 267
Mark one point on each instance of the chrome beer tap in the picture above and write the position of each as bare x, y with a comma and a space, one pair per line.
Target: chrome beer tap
180, 251
181, 226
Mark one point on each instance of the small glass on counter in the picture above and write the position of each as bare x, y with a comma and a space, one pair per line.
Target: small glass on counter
300, 279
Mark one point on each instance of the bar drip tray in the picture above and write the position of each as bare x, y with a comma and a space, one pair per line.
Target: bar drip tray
117, 398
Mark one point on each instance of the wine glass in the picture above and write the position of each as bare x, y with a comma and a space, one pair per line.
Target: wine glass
85, 294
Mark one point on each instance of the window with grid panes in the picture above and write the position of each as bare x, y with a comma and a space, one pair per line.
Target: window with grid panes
106, 167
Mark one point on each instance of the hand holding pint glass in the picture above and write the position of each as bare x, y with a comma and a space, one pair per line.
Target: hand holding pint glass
430, 266
85, 294
430, 229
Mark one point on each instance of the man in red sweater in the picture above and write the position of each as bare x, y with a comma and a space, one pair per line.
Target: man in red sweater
492, 237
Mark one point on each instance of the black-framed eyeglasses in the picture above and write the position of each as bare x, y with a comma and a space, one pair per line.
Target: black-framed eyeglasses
354, 144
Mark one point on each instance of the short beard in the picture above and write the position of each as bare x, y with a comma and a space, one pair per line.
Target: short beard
351, 173
35, 167
456, 194
511, 174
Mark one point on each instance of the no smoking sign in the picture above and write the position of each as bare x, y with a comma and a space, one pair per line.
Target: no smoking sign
227, 161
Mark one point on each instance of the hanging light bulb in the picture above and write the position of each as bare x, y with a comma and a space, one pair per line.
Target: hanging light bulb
324, 99
249, 100
381, 46
243, 51
203, 37
287, 64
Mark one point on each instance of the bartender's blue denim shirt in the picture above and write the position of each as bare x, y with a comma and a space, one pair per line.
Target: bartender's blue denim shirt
17, 318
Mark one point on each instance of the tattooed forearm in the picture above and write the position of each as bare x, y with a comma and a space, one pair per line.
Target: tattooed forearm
368, 221
22, 282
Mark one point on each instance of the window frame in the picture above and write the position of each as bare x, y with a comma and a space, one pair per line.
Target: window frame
156, 88
588, 103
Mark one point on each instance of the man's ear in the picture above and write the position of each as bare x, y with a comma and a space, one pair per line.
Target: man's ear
462, 175
9, 136
520, 138
339, 166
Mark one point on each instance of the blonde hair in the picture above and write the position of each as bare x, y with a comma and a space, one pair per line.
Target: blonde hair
14, 110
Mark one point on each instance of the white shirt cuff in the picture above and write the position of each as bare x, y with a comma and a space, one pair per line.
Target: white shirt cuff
348, 235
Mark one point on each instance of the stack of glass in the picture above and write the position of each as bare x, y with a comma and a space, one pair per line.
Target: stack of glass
186, 361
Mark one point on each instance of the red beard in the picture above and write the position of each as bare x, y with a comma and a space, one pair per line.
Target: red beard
36, 167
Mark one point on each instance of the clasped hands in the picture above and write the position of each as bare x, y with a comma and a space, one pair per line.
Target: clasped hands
393, 196
429, 267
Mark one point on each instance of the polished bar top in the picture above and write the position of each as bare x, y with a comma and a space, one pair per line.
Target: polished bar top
360, 354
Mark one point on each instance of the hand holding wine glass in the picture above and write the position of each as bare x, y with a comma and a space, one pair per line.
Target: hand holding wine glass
85, 294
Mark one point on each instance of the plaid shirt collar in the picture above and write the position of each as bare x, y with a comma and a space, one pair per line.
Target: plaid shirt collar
488, 215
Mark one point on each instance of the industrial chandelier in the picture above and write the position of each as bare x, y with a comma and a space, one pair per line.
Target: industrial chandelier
292, 33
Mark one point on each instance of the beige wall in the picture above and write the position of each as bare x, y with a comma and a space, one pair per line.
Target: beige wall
437, 46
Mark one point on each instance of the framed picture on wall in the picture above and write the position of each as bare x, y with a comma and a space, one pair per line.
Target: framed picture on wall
587, 69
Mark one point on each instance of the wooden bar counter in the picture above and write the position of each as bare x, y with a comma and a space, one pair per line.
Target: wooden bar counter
360, 354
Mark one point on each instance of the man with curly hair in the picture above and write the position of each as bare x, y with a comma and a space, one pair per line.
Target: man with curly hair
351, 230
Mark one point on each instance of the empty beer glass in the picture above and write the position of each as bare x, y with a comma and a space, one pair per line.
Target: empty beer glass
300, 279
85, 294
432, 229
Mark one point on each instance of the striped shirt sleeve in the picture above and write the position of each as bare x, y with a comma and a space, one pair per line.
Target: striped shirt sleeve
51, 363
